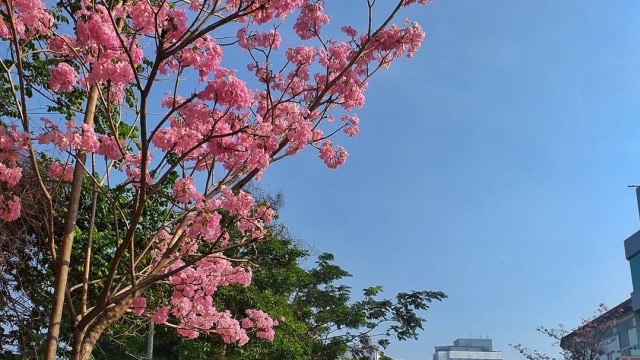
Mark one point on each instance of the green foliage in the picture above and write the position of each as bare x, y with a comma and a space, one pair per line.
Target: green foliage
317, 318
25, 296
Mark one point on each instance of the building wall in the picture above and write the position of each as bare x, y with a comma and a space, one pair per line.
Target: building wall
622, 340
481, 344
475, 355
468, 349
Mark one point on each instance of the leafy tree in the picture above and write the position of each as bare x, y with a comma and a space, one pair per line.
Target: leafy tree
318, 320
583, 343
26, 299
151, 140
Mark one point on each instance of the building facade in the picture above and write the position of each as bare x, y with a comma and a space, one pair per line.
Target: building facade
468, 349
632, 253
621, 341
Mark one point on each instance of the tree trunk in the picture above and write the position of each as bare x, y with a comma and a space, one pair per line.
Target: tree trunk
85, 339
63, 261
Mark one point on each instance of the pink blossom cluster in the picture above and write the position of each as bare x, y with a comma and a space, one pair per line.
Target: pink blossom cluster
191, 303
12, 143
63, 77
10, 175
184, 190
311, 19
227, 90
58, 170
107, 56
76, 138
395, 41
207, 135
261, 322
203, 223
263, 11
149, 19
351, 124
132, 167
345, 60
30, 19
270, 39
331, 156
139, 305
79, 138
203, 55
9, 207
204, 226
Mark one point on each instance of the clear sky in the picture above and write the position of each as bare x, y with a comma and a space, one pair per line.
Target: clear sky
493, 166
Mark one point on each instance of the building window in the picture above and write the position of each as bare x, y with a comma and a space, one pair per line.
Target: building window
633, 336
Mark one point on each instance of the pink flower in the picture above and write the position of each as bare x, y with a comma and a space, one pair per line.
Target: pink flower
227, 90
311, 18
10, 208
138, 305
10, 175
349, 31
58, 170
188, 333
248, 41
161, 315
109, 148
30, 19
88, 140
184, 190
351, 128
260, 321
331, 157
55, 170
63, 77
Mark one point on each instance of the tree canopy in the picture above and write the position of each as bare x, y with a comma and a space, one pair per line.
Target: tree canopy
128, 135
317, 317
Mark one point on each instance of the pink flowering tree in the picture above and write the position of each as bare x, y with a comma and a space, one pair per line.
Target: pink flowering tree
142, 105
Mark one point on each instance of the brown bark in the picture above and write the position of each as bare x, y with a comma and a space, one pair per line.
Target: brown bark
85, 339
64, 258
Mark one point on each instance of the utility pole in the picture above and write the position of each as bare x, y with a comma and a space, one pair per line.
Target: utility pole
150, 340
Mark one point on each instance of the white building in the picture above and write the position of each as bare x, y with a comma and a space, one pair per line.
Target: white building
468, 349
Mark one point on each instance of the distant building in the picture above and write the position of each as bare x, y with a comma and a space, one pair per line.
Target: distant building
618, 342
468, 349
622, 340
632, 253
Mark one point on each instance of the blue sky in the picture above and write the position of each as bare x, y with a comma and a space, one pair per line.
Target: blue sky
493, 166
